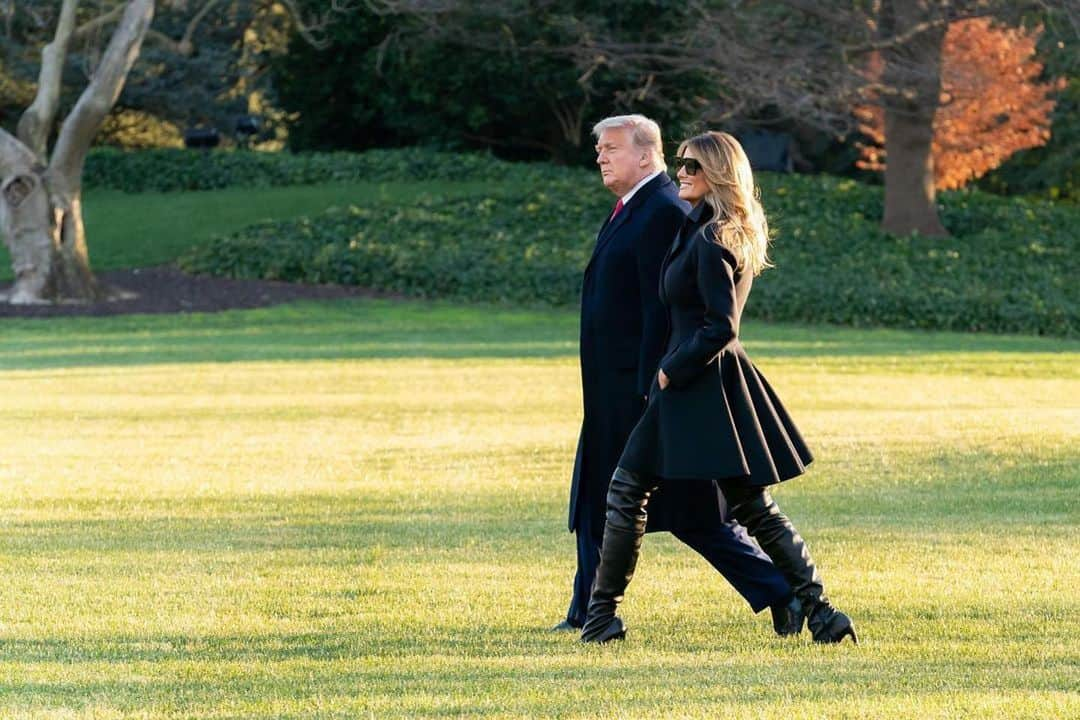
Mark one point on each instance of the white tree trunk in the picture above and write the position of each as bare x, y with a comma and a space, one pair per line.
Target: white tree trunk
41, 206
41, 220
24, 219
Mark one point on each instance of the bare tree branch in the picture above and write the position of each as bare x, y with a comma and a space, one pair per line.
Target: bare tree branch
896, 40
184, 47
313, 30
83, 122
91, 26
36, 122
9, 18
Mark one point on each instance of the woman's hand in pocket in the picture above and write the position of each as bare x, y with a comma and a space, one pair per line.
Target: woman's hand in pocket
662, 379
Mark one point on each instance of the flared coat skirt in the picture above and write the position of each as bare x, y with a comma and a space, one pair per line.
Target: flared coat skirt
727, 424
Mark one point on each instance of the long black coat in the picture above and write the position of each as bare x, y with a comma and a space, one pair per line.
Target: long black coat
623, 328
718, 418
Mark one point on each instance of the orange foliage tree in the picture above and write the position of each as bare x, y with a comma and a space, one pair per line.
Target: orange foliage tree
992, 103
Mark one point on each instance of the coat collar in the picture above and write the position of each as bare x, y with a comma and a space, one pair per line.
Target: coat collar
700, 213
698, 217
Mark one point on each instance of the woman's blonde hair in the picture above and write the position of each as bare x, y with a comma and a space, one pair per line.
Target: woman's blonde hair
739, 218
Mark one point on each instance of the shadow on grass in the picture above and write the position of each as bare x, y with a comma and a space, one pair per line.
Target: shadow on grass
370, 640
361, 329
1005, 491
488, 671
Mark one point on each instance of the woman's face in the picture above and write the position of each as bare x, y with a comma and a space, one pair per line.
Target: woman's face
692, 186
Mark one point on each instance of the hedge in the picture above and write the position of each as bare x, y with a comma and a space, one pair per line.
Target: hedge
1010, 266
176, 170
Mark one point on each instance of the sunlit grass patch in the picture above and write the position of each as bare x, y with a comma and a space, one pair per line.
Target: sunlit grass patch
358, 510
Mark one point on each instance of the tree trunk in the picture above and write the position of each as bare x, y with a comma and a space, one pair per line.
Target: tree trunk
909, 176
43, 230
69, 274
913, 74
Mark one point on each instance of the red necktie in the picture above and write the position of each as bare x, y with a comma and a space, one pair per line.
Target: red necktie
618, 207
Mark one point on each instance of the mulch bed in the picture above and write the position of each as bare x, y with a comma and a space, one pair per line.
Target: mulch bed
167, 290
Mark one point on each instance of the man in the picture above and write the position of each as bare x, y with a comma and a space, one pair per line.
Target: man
623, 331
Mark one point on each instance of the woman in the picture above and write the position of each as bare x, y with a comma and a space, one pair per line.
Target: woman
711, 415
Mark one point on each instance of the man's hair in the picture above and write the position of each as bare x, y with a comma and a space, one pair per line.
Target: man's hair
644, 133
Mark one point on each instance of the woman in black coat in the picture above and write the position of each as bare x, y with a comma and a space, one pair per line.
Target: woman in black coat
711, 414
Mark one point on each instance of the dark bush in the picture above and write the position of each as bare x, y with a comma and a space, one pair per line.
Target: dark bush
174, 170
1010, 266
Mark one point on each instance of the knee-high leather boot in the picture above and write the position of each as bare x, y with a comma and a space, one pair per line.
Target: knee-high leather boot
625, 527
756, 510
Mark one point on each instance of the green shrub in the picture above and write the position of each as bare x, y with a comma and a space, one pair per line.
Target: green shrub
520, 249
1010, 266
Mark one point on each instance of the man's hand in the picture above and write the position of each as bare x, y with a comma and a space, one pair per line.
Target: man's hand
662, 379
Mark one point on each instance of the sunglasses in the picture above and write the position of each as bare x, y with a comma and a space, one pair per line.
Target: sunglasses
689, 164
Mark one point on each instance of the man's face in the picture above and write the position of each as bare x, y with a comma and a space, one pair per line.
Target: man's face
622, 164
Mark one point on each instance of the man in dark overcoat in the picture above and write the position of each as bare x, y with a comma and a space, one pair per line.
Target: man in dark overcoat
623, 331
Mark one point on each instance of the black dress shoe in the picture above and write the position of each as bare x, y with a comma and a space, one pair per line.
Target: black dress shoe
566, 626
787, 619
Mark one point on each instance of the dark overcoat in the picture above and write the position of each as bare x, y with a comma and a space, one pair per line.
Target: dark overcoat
623, 329
718, 418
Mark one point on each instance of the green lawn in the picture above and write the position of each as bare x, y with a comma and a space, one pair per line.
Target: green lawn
357, 509
126, 230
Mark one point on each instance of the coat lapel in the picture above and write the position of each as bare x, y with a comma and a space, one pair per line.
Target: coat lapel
611, 227
697, 217
695, 220
616, 222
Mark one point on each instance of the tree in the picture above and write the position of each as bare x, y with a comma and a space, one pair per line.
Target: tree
1053, 169
470, 73
40, 195
811, 60
992, 103
41, 186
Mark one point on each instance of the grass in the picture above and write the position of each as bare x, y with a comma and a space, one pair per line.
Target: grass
125, 231
357, 510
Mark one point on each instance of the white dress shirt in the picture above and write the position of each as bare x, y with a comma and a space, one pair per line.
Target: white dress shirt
644, 180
